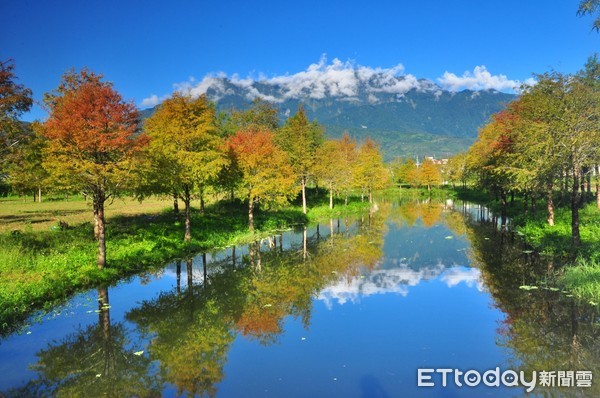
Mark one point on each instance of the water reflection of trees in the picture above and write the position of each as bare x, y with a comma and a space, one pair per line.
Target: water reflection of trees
191, 330
429, 211
98, 360
544, 328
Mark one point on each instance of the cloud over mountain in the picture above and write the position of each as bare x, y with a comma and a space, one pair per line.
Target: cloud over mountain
341, 80
480, 79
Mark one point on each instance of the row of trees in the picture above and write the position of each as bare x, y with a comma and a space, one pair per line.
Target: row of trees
544, 144
427, 174
94, 142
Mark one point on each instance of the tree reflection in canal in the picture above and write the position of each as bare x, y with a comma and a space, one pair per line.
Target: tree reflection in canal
192, 332
96, 361
545, 329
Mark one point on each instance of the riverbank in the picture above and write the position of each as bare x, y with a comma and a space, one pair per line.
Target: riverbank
580, 274
41, 267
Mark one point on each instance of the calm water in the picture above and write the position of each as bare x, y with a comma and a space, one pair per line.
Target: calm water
349, 308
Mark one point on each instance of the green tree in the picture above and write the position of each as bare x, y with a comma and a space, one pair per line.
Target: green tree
456, 169
15, 99
591, 7
92, 138
327, 166
261, 114
24, 163
185, 148
300, 139
369, 171
345, 168
408, 173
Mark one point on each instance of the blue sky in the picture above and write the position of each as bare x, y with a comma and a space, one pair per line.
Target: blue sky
148, 47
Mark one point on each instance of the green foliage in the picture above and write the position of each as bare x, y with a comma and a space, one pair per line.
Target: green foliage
15, 99
590, 7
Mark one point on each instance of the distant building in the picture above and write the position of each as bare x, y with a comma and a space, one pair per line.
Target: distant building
441, 162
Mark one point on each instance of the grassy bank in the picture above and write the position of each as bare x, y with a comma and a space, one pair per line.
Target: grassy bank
43, 265
580, 273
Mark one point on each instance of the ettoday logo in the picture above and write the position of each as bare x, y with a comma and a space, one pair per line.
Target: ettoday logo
473, 378
508, 378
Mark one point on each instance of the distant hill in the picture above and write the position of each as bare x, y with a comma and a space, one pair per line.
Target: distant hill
407, 118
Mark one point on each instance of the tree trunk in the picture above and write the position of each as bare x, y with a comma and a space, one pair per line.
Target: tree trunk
189, 266
99, 199
598, 186
503, 211
550, 205
566, 180
175, 204
188, 215
251, 215
178, 277
96, 222
202, 201
331, 230
370, 196
104, 325
39, 194
331, 195
533, 202
204, 271
303, 182
304, 246
346, 199
575, 236
103, 311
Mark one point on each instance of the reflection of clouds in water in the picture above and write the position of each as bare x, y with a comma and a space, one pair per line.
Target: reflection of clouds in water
470, 276
396, 281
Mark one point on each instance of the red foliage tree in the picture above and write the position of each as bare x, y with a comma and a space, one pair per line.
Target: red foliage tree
92, 137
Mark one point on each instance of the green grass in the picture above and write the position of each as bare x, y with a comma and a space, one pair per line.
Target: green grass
556, 240
583, 280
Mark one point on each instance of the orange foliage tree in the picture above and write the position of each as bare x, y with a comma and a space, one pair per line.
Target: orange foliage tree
92, 137
266, 175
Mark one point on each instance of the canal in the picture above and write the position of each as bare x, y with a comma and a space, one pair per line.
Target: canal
395, 303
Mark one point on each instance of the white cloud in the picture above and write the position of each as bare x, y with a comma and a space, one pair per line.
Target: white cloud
470, 276
342, 80
382, 281
479, 79
150, 101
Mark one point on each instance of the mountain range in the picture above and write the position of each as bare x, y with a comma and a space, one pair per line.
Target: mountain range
407, 116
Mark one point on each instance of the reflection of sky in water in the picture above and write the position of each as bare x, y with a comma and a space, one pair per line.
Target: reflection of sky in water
419, 246
396, 281
411, 255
